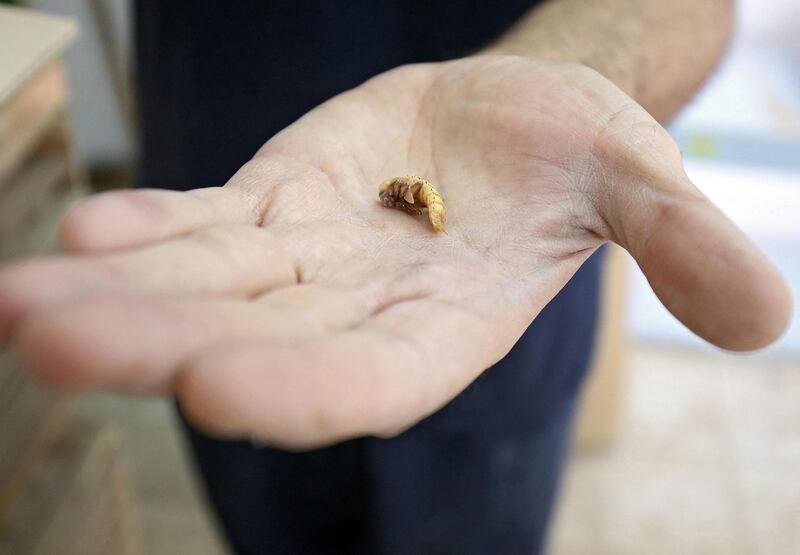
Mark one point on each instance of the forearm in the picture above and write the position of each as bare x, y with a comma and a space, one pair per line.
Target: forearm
658, 52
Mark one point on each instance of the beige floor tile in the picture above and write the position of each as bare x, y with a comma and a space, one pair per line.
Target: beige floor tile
708, 461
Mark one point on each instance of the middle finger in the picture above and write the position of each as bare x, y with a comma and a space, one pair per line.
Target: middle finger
232, 260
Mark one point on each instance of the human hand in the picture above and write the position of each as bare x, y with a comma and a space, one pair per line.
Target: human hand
290, 307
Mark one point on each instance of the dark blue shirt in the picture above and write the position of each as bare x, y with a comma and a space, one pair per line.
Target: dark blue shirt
217, 79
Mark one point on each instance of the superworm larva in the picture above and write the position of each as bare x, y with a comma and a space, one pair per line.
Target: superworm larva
412, 194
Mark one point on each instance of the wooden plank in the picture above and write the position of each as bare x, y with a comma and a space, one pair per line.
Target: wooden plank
124, 536
115, 532
40, 237
29, 418
29, 40
28, 429
29, 115
59, 141
11, 381
85, 514
93, 507
87, 517
53, 474
77, 500
41, 180
20, 422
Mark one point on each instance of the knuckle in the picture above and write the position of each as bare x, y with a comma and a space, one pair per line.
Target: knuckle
633, 145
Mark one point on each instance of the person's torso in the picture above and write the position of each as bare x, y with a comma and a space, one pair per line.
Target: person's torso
217, 79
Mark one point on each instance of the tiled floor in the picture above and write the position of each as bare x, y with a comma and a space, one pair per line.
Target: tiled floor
708, 461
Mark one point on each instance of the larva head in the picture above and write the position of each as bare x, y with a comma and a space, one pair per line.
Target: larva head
387, 193
387, 199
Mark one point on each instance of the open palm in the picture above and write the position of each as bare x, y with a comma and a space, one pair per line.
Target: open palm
291, 307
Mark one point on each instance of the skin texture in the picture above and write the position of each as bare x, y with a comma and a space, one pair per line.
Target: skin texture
658, 52
292, 308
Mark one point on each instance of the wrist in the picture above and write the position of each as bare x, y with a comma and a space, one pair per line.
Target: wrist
616, 62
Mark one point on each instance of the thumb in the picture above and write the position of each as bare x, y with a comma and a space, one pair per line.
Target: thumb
701, 266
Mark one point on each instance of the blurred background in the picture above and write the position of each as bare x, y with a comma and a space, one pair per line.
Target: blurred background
680, 448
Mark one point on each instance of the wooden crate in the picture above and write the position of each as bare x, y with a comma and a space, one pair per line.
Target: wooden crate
30, 418
62, 486
76, 501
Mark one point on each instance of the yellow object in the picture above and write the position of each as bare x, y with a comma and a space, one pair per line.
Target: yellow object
412, 193
702, 146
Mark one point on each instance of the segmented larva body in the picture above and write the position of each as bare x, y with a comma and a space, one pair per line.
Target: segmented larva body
412, 194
